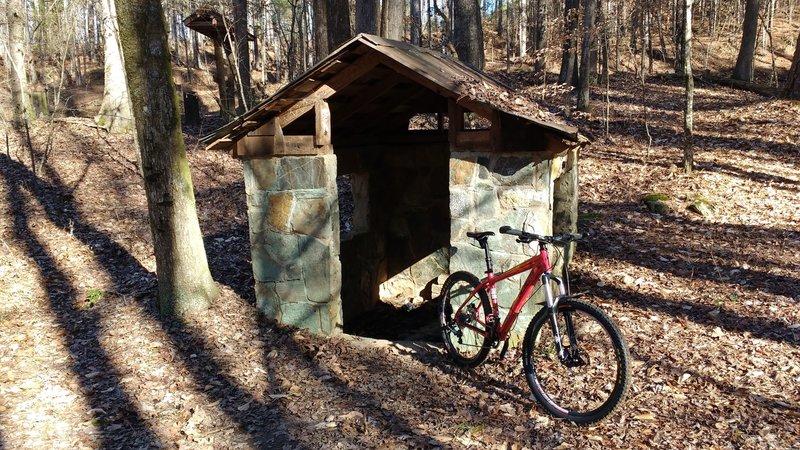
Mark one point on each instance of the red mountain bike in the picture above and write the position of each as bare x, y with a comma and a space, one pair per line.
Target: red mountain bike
575, 359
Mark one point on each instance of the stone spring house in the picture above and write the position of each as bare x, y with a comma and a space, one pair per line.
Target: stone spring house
431, 148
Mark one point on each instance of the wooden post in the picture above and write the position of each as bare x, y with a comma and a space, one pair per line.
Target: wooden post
322, 114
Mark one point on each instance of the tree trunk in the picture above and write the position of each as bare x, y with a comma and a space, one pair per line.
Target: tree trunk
115, 112
793, 80
587, 68
242, 55
688, 138
368, 16
538, 34
523, 27
570, 47
468, 33
321, 46
392, 19
338, 23
416, 23
15, 14
184, 280
744, 62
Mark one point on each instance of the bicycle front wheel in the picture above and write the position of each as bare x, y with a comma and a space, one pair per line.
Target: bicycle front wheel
590, 378
464, 327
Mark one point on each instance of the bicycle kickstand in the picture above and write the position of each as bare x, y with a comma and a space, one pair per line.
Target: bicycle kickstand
504, 349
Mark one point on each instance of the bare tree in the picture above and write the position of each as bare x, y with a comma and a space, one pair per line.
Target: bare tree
416, 22
793, 80
338, 23
320, 29
587, 68
538, 34
467, 32
184, 280
16, 48
115, 111
569, 66
744, 62
392, 19
688, 132
242, 66
368, 16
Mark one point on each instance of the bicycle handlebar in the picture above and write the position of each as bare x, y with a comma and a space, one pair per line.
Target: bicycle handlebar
525, 237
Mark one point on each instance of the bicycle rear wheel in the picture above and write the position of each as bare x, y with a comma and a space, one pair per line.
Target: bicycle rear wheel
591, 380
464, 329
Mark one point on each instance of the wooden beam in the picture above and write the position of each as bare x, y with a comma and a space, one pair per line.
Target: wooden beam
473, 140
251, 147
221, 144
455, 114
367, 96
330, 87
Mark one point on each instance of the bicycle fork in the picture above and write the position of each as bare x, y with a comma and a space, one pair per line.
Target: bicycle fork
569, 356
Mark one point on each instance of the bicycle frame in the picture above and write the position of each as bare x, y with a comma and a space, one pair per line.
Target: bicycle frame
540, 270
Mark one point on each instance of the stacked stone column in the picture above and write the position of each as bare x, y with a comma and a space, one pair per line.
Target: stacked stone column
293, 213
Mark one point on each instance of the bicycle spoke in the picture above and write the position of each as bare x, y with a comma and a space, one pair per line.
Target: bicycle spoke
590, 377
463, 320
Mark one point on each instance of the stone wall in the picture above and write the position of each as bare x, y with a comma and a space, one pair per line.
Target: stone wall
487, 191
294, 235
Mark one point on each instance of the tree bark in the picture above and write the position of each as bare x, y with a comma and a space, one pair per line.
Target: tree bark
587, 68
568, 73
793, 80
688, 133
538, 34
338, 23
184, 280
368, 16
321, 47
115, 112
242, 55
392, 19
468, 33
15, 14
416, 23
744, 62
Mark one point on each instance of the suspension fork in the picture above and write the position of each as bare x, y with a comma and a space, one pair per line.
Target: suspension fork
551, 303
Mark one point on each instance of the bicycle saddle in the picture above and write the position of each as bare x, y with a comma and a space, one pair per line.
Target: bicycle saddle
480, 234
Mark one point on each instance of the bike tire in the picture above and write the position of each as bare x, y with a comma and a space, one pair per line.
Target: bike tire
466, 346
604, 377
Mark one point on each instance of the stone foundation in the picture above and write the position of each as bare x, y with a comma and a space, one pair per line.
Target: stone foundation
294, 235
487, 191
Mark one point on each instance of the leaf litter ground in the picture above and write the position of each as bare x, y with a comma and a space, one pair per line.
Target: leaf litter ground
709, 305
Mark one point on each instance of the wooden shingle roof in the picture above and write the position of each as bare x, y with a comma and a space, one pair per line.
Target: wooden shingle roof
367, 55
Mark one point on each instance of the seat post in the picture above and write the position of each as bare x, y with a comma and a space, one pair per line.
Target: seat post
485, 245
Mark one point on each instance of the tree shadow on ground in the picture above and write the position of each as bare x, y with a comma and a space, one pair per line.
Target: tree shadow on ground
259, 420
81, 328
708, 262
670, 365
771, 329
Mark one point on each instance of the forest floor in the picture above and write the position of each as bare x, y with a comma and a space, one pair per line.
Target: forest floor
709, 306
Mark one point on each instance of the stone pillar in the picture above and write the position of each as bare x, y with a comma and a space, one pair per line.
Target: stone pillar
565, 199
293, 213
487, 191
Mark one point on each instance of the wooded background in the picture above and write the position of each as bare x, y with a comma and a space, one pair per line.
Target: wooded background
59, 42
